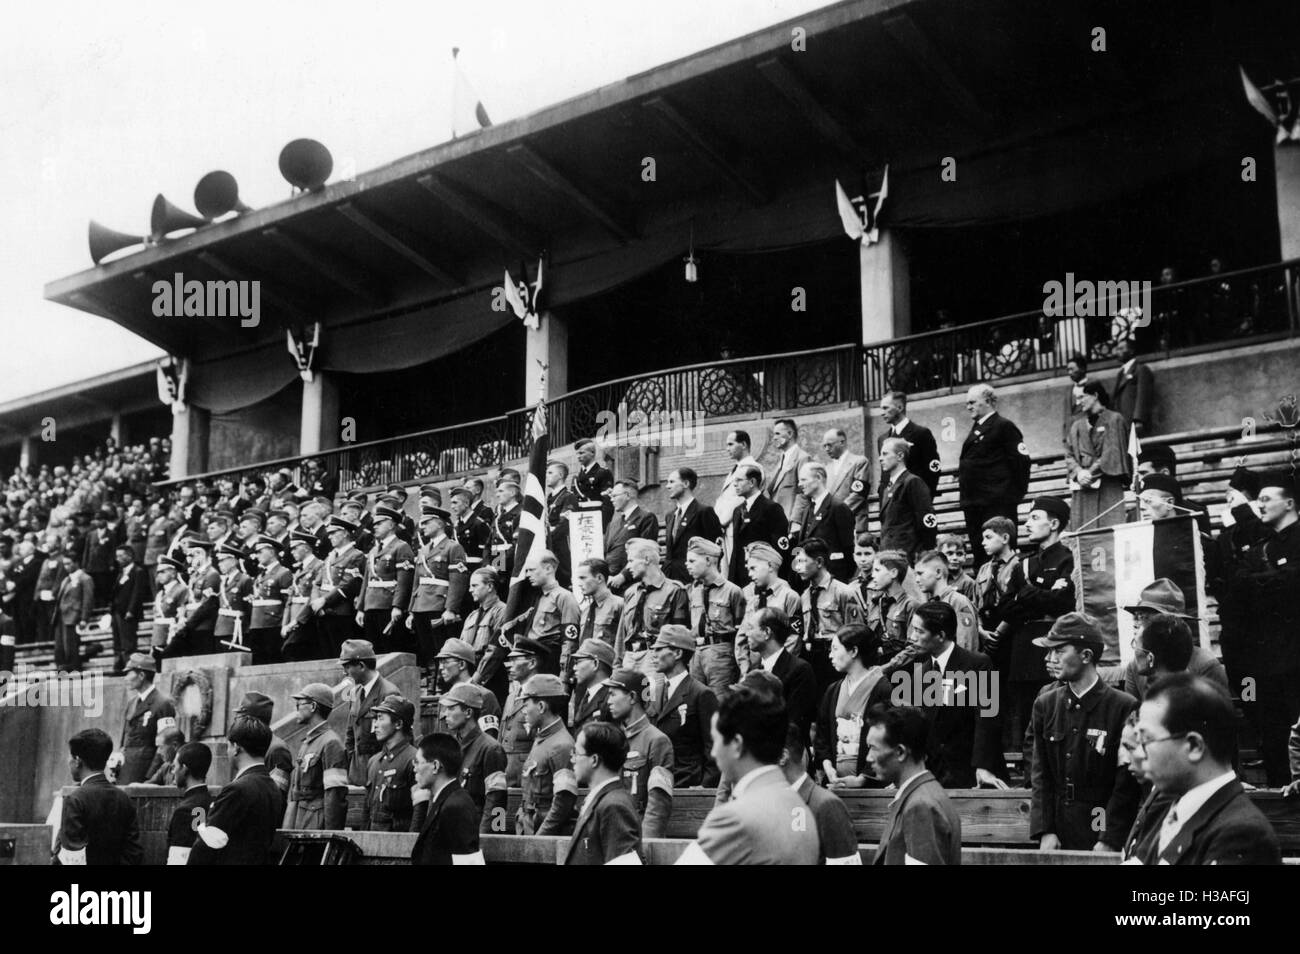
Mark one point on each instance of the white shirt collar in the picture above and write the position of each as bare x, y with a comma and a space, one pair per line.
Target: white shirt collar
591, 793
798, 783
817, 501
986, 417
901, 423
675, 681
339, 551
903, 788
1192, 800
627, 511
142, 696
738, 790
90, 776
941, 660
1128, 365
770, 662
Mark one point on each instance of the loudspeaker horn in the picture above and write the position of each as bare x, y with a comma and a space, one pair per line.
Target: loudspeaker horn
167, 218
216, 194
306, 164
104, 241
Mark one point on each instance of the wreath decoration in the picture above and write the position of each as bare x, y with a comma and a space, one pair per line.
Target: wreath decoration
200, 680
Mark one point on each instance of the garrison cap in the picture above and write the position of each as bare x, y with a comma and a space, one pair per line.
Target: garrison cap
318, 693
457, 649
1157, 454
675, 636
1283, 480
1245, 480
706, 547
762, 550
598, 650
1072, 629
1162, 482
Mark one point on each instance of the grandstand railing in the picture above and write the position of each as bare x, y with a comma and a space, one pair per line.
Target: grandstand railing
1255, 304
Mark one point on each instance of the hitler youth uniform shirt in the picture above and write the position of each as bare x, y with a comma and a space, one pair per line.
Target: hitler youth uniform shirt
646, 609
555, 624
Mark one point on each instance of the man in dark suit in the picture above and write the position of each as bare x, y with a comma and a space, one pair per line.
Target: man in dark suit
923, 827
559, 501
755, 518
592, 481
608, 830
23, 573
907, 520
766, 631
98, 824
683, 708
190, 775
628, 521
688, 518
1187, 733
993, 472
923, 458
244, 816
1135, 389
825, 519
130, 589
449, 835
357, 657
965, 741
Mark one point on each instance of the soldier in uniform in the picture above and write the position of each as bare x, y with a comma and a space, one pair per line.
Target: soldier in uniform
251, 523
1077, 728
717, 608
194, 636
354, 509
441, 585
334, 599
601, 609
993, 472
467, 528
648, 604
478, 506
523, 661
483, 765
766, 588
482, 631
300, 635
268, 600
556, 616
592, 481
390, 776
279, 760
592, 665
386, 586
169, 604
232, 598
648, 768
826, 605
550, 790
149, 716
559, 501
357, 657
395, 498
683, 709
1047, 594
277, 528
505, 526
318, 788
456, 662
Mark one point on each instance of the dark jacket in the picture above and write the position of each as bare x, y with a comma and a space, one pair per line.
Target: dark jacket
799, 686
450, 828
763, 520
963, 737
686, 718
99, 818
1226, 830
923, 458
609, 828
190, 812
247, 812
994, 465
907, 519
832, 523
129, 596
596, 485
619, 530
923, 825
1134, 394
700, 521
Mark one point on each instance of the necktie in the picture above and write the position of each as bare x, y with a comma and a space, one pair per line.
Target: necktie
814, 617
762, 592
638, 616
1169, 827
704, 614
589, 627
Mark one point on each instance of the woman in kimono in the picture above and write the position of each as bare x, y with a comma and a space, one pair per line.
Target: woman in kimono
840, 732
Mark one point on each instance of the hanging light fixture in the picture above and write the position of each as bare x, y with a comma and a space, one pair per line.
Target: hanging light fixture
692, 269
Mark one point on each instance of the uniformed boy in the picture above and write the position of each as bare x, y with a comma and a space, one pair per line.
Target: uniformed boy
318, 789
648, 768
766, 588
717, 607
601, 609
390, 776
550, 790
482, 630
483, 760
826, 605
652, 601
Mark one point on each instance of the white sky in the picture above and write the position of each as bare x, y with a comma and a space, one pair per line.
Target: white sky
102, 106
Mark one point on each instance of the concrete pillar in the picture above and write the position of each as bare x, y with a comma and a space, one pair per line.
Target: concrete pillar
886, 289
1287, 165
549, 344
115, 428
27, 452
320, 414
189, 441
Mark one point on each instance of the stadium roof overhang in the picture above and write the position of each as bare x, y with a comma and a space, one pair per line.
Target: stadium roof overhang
80, 402
746, 138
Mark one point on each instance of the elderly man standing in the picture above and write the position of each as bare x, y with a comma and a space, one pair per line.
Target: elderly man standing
993, 472
848, 476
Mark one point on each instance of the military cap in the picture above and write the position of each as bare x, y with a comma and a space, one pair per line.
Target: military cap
323, 501
1161, 596
278, 512
303, 536
1157, 454
465, 492
1053, 507
763, 551
252, 513
318, 693
629, 680
197, 543
396, 488
356, 649
257, 705
457, 649
706, 547
144, 662
1283, 480
342, 523
397, 707
528, 647
383, 512
1163, 483
172, 562
674, 636
542, 686
1070, 629
598, 650
465, 694
263, 542
358, 496
1245, 480
357, 505
232, 549
428, 513
224, 514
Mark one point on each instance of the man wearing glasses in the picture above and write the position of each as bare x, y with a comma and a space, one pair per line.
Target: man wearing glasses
1082, 797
